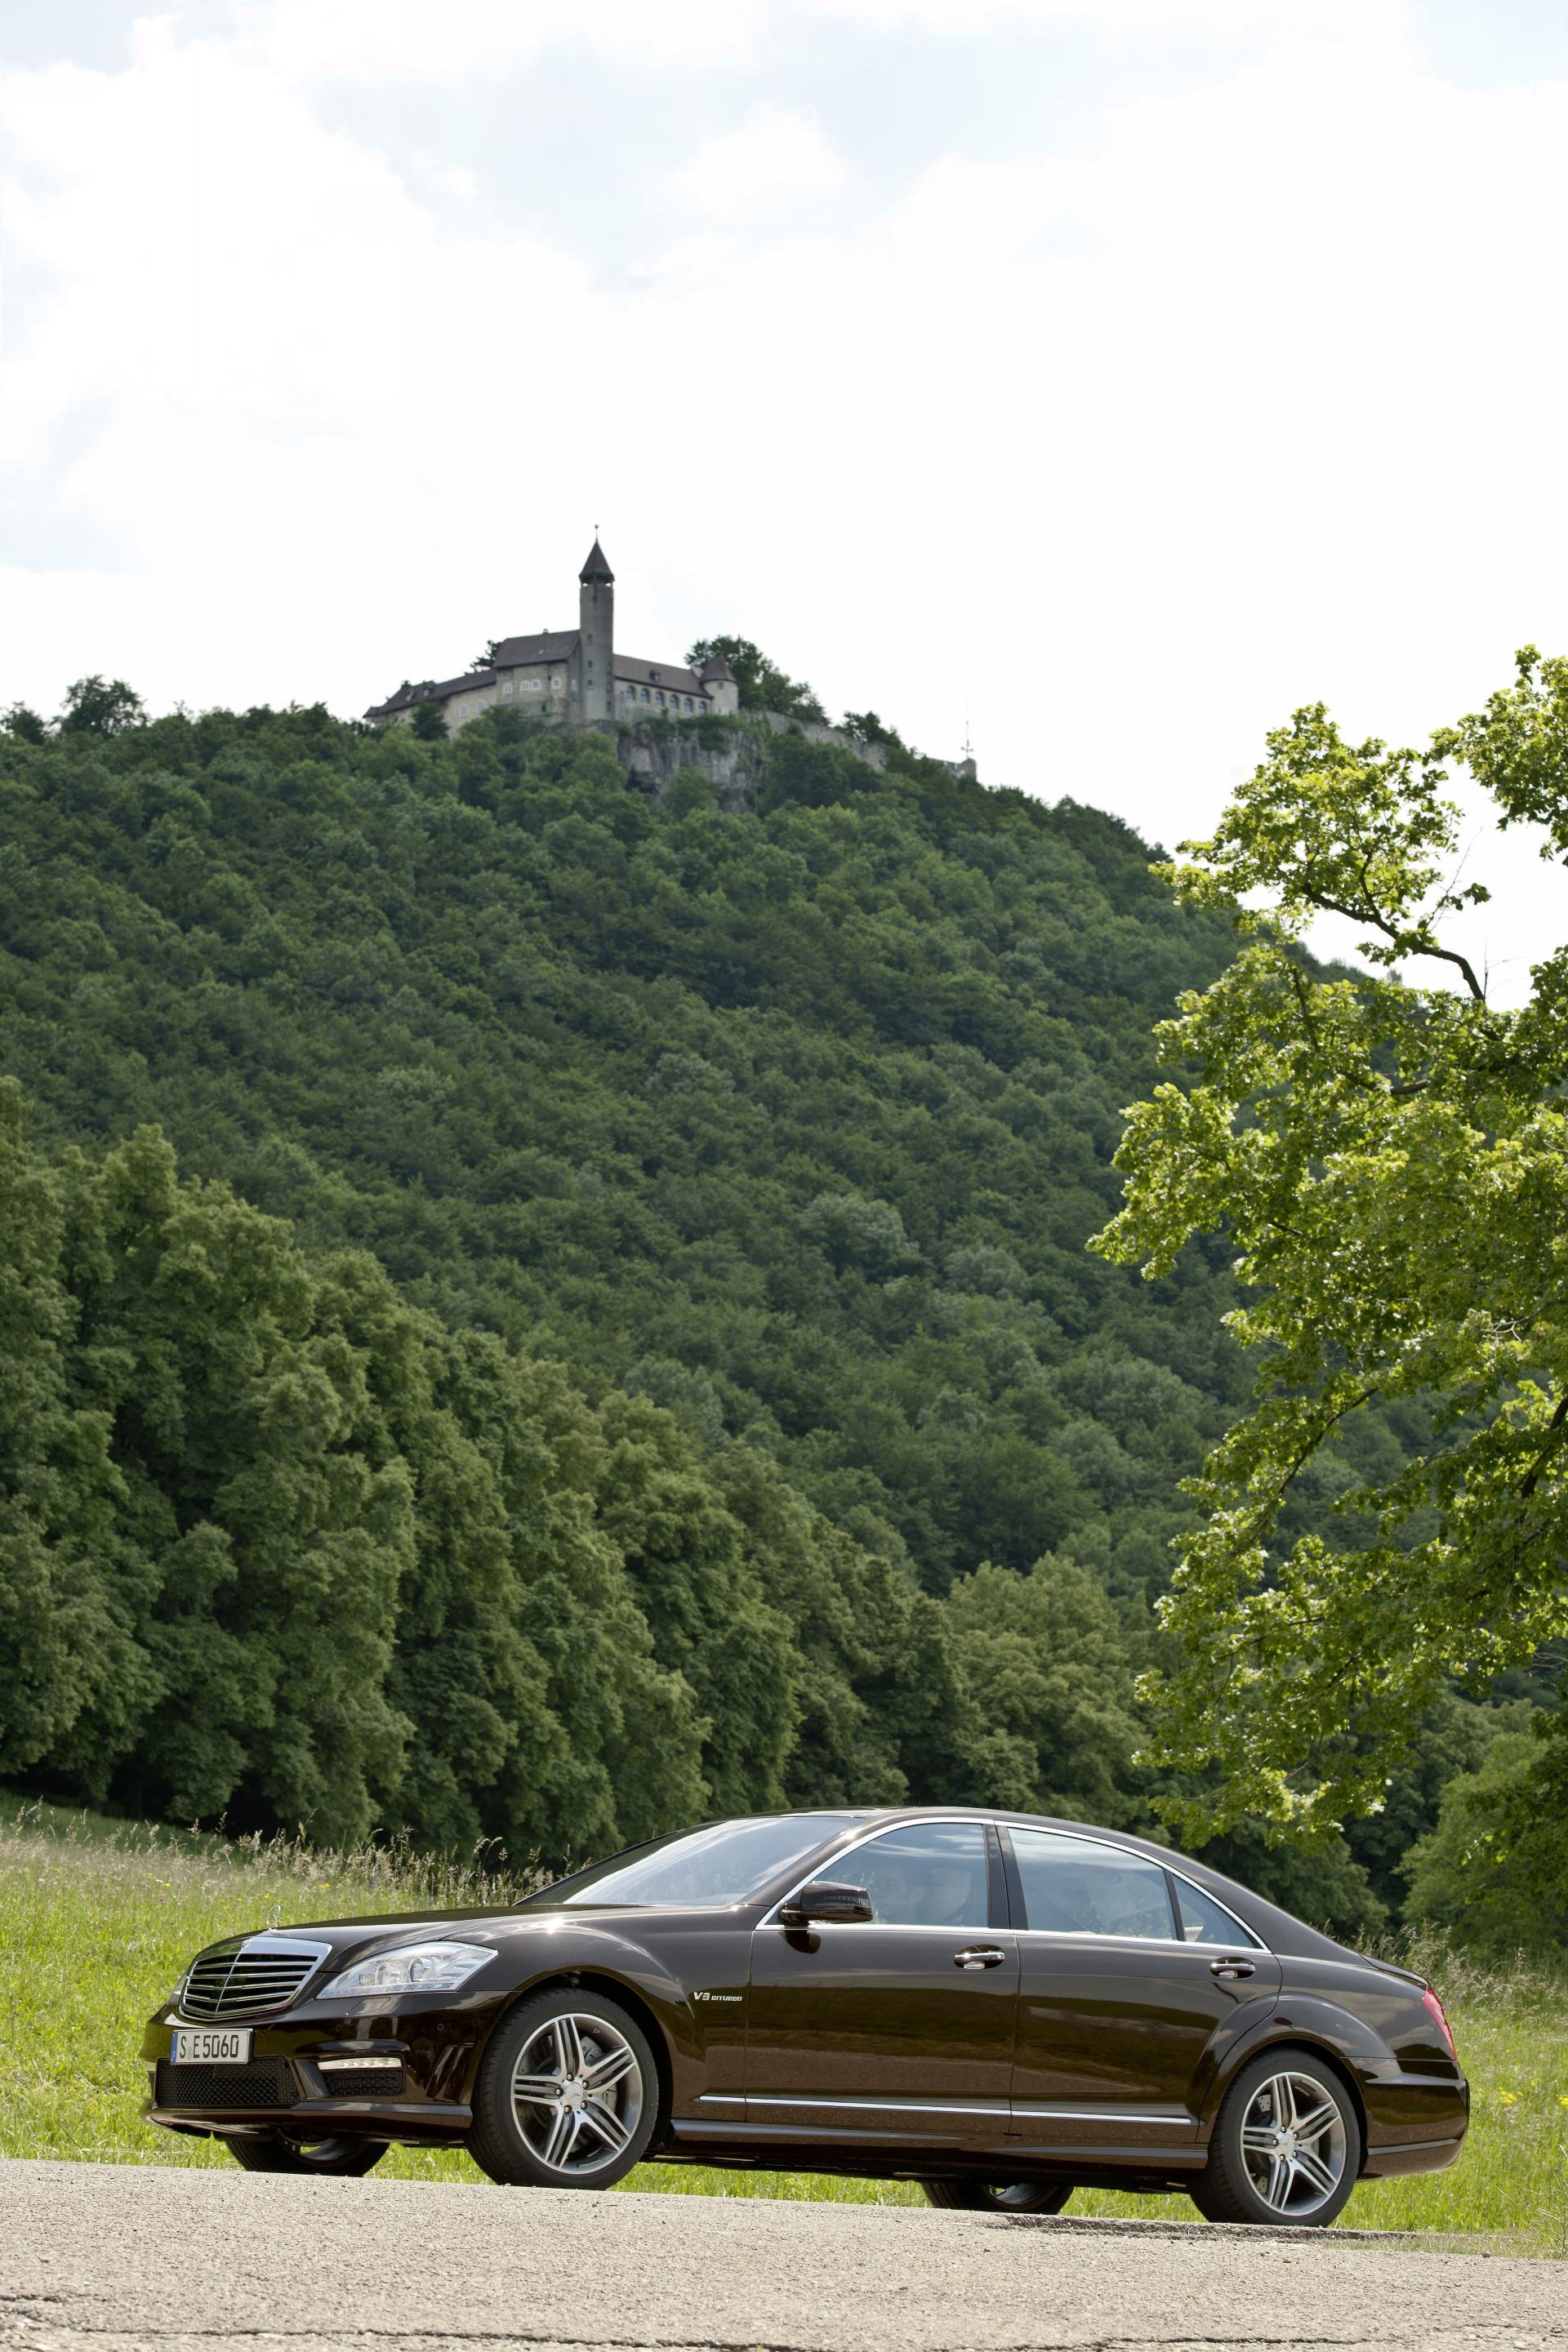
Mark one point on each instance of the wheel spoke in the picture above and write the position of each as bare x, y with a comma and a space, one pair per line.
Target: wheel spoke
537, 2090
563, 2129
1284, 2102
1258, 2139
1313, 2170
1277, 2189
605, 2072
1317, 2121
569, 2045
607, 2124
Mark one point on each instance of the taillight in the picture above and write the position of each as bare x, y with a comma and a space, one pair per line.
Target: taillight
1436, 2012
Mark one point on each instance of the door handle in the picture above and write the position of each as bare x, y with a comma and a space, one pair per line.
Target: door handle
1226, 1969
979, 1956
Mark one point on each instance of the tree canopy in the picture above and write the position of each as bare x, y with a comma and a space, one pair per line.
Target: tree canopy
633, 1235
1385, 1159
763, 684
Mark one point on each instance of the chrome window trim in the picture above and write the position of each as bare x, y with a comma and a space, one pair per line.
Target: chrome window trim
1244, 1933
886, 1829
1095, 1941
904, 1928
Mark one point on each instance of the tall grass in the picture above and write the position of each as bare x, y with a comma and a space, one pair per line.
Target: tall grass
98, 1920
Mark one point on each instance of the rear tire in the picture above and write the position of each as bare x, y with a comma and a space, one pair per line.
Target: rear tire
339, 2158
567, 2095
966, 2195
1285, 2148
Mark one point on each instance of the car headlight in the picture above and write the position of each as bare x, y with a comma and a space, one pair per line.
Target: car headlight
411, 1968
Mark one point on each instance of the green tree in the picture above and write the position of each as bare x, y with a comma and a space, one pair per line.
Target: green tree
25, 724
1494, 1871
429, 723
1043, 1663
1388, 1161
763, 684
100, 705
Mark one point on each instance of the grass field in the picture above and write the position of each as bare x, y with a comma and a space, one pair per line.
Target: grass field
98, 1919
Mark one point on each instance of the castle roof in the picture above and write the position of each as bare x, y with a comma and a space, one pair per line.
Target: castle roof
717, 667
670, 675
429, 689
548, 646
595, 568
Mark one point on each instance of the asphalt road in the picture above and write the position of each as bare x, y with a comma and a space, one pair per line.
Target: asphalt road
133, 2259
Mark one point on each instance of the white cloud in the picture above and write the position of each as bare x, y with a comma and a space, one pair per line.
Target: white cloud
1251, 397
1357, 20
375, 40
772, 155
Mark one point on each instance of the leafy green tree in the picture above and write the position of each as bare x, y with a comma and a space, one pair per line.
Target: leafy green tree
25, 724
1493, 1872
63, 1640
100, 705
763, 684
429, 723
1386, 1160
1045, 1671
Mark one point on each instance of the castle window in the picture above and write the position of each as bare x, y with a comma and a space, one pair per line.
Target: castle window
688, 702
659, 697
644, 694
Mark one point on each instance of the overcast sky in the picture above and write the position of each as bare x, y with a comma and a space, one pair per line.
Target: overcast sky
1110, 375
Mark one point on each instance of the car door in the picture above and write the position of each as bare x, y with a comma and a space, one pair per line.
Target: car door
1124, 1999
900, 2027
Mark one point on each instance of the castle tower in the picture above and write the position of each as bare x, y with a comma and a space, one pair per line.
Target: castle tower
597, 644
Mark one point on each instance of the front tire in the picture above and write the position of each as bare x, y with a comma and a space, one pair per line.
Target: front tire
1286, 2146
566, 2096
963, 2195
340, 2158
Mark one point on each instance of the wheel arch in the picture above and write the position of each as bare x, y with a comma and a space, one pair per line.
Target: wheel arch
1315, 2046
625, 1996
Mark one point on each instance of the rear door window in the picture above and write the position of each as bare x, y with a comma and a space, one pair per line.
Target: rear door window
1205, 1921
1074, 1886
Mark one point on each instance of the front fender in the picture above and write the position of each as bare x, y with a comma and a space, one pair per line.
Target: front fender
687, 1988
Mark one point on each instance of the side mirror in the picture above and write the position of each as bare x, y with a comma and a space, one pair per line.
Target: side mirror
826, 1899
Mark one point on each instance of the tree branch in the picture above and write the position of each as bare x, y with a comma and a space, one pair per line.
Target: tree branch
1370, 915
1553, 1427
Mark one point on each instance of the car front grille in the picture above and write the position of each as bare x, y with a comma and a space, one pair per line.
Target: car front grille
269, 2083
379, 2078
245, 1979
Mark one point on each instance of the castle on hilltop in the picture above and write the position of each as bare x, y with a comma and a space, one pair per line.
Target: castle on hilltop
571, 675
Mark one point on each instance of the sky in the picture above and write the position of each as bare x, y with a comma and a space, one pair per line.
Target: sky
1102, 378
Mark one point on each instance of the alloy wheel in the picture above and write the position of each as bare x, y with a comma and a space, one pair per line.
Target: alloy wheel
577, 2092
1293, 2144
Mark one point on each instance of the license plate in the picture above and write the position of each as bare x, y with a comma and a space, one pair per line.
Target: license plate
211, 2045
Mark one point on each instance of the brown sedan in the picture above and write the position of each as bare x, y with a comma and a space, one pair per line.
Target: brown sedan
1001, 2007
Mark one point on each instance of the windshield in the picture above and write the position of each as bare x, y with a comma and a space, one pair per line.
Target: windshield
708, 1868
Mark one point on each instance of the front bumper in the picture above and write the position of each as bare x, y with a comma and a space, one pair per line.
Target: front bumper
394, 2070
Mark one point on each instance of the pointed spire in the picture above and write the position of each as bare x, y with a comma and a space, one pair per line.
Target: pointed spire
596, 568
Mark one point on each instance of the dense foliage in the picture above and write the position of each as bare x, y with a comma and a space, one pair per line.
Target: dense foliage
1391, 1162
617, 1339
